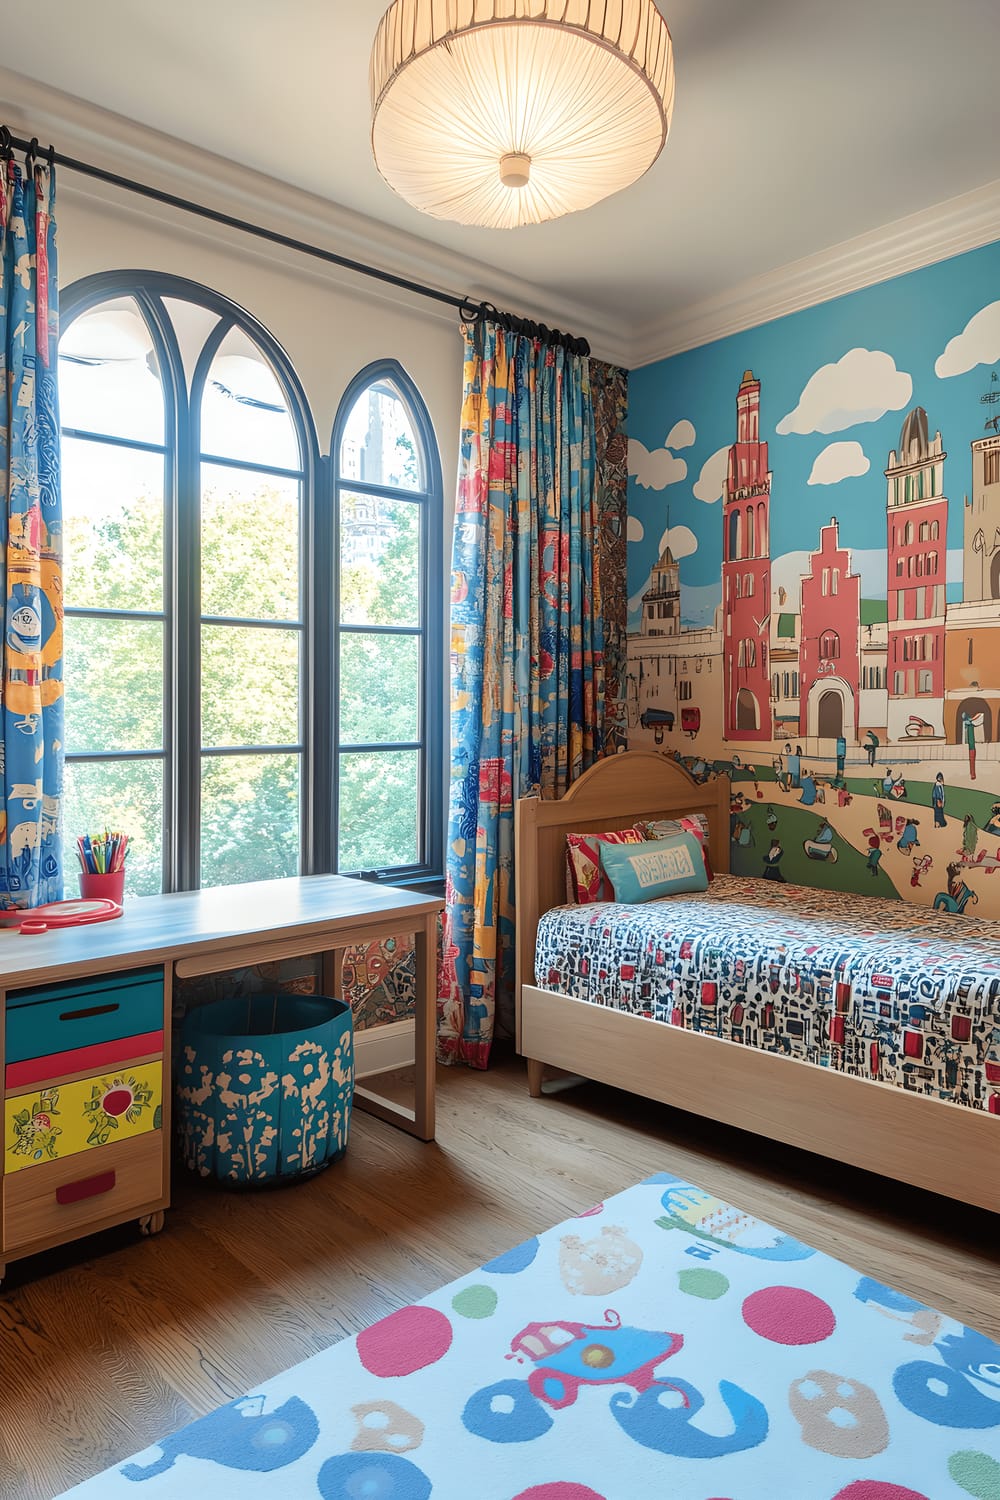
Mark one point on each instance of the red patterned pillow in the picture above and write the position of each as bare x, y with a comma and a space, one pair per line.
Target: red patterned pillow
697, 823
586, 879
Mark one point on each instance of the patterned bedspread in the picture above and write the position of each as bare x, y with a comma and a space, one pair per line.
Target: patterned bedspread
879, 989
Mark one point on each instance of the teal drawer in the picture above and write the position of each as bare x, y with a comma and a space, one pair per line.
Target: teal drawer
83, 1013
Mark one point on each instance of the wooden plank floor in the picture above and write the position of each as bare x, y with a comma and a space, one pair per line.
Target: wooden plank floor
108, 1344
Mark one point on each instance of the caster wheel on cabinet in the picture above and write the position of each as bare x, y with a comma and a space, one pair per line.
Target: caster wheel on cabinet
151, 1223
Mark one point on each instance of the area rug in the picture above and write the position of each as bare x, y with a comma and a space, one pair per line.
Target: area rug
662, 1346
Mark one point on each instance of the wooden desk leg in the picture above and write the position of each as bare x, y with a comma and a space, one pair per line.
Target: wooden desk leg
418, 1121
426, 1028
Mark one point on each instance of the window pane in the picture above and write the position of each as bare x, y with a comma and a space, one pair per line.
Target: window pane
249, 818
192, 325
109, 379
126, 796
249, 686
114, 684
379, 560
379, 445
378, 810
244, 413
113, 519
249, 544
379, 688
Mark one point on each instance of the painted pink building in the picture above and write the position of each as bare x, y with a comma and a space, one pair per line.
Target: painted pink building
746, 573
917, 525
829, 657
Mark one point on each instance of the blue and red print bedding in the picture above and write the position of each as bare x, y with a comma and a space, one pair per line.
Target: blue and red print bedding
865, 986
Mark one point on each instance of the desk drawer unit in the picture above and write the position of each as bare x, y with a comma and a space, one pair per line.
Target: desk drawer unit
66, 1198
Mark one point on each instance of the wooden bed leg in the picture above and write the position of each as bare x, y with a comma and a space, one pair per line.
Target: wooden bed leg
535, 1072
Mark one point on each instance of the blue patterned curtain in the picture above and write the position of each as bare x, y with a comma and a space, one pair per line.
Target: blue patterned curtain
30, 540
526, 647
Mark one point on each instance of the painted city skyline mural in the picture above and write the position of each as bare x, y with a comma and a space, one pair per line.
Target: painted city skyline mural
814, 581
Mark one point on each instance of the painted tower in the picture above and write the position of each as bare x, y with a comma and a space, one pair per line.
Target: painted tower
981, 550
661, 603
917, 525
829, 652
746, 568
972, 648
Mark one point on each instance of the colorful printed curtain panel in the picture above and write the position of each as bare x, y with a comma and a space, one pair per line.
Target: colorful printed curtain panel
527, 648
31, 522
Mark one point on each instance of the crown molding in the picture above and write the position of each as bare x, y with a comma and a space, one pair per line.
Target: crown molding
83, 130
936, 233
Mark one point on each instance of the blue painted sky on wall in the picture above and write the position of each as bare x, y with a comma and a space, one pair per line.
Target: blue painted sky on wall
911, 319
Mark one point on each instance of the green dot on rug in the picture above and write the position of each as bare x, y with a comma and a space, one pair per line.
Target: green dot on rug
975, 1472
707, 1284
475, 1302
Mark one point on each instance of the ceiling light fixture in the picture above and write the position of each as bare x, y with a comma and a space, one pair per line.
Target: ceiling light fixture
507, 112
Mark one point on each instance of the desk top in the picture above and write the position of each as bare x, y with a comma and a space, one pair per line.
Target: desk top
153, 929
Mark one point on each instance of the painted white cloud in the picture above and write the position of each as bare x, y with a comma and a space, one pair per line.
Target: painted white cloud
681, 540
977, 344
860, 387
634, 529
712, 478
654, 471
838, 461
681, 435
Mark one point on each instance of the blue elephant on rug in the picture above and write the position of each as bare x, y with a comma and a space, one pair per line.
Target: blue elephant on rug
240, 1435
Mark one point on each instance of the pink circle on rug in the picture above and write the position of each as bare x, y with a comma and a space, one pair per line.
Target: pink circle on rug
408, 1340
877, 1489
788, 1315
561, 1490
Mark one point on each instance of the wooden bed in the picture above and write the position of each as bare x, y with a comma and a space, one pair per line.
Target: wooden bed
930, 1143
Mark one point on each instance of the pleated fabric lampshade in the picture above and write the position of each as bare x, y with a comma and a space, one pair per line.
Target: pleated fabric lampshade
507, 112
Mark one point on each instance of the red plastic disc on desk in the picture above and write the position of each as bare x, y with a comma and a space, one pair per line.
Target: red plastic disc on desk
76, 913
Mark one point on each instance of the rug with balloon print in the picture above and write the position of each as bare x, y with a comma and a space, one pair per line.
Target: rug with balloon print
661, 1345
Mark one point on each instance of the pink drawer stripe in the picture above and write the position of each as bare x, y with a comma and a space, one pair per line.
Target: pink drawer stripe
95, 1059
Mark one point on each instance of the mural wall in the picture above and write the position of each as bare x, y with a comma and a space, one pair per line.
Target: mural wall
814, 581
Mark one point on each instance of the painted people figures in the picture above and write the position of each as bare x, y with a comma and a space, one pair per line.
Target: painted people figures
937, 801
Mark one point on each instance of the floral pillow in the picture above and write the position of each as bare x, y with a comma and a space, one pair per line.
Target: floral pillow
585, 878
665, 828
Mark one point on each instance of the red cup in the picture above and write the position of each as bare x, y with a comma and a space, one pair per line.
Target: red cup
110, 887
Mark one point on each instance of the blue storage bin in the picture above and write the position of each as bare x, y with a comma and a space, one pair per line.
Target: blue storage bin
264, 1087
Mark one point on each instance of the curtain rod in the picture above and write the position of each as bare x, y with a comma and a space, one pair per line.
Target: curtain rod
470, 311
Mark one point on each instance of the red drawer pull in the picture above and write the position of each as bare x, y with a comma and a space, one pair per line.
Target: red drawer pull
91, 1010
89, 1187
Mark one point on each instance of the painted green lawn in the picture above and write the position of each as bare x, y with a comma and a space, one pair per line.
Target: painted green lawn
795, 825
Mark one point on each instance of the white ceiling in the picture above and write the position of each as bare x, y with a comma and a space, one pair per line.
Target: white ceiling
799, 124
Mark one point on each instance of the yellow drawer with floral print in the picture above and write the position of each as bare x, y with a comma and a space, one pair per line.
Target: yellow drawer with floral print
55, 1120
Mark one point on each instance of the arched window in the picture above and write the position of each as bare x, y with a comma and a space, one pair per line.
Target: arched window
829, 645
751, 652
934, 530
751, 550
734, 535
200, 641
908, 535
388, 507
762, 528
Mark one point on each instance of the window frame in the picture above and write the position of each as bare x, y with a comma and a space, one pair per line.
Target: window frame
431, 628
318, 622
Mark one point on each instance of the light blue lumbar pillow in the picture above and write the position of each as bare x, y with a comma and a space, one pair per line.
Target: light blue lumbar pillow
661, 867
